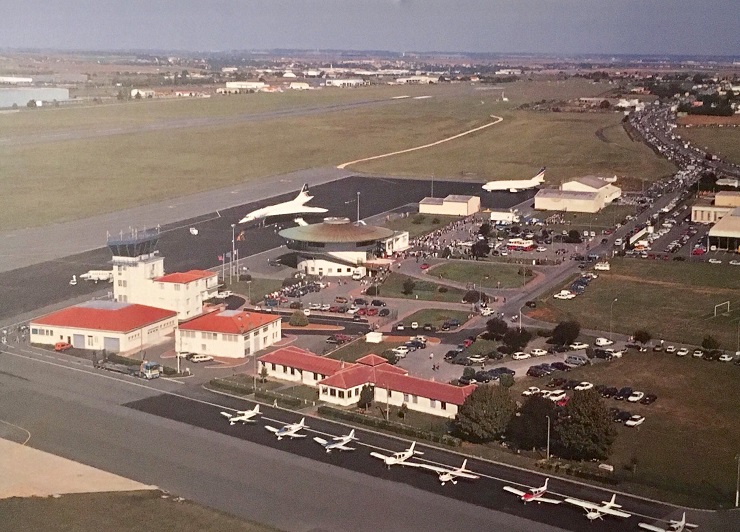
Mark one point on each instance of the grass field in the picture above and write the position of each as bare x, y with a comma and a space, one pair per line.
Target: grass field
723, 142
607, 218
686, 444
485, 274
671, 300
434, 316
117, 512
425, 224
426, 290
115, 172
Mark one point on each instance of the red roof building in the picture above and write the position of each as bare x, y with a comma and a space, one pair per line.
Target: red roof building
185, 277
110, 325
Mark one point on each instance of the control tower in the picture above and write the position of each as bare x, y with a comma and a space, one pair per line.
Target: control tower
135, 259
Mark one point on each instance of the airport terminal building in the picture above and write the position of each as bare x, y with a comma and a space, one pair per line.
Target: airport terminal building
336, 247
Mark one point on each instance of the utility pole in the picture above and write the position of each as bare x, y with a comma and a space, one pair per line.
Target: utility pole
233, 245
611, 312
358, 207
548, 438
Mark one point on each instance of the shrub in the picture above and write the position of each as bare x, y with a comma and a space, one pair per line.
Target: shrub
418, 219
298, 319
442, 289
436, 221
373, 290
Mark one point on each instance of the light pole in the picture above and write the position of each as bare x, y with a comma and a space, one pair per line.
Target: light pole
611, 313
358, 207
737, 482
233, 243
548, 438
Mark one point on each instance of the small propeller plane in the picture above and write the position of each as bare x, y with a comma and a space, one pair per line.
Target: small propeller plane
675, 526
398, 458
289, 430
449, 475
338, 442
533, 494
243, 416
597, 511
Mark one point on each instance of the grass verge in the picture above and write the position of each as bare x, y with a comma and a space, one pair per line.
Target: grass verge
434, 316
485, 274
425, 290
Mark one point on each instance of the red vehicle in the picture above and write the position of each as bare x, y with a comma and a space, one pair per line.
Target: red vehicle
372, 311
361, 312
334, 308
698, 251
424, 266
62, 346
467, 342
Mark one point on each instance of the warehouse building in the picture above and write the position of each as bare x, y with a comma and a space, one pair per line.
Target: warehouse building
452, 205
228, 333
114, 326
585, 194
726, 232
707, 211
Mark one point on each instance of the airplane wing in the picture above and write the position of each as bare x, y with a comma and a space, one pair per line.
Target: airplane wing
378, 455
311, 209
430, 467
320, 441
296, 435
583, 504
545, 499
344, 448
515, 491
227, 415
651, 527
463, 474
612, 511
272, 429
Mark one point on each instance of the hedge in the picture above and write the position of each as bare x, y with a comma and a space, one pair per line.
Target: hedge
391, 426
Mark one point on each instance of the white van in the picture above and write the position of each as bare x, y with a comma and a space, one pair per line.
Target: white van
618, 242
201, 358
357, 275
576, 360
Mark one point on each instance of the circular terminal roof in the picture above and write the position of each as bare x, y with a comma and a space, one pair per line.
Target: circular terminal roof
336, 230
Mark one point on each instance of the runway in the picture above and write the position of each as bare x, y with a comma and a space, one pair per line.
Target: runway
152, 433
31, 285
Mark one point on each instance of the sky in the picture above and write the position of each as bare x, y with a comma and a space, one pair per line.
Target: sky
680, 27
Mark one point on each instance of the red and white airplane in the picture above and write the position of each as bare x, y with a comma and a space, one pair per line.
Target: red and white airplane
674, 526
533, 495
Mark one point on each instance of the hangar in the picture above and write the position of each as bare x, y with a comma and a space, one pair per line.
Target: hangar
452, 205
585, 194
706, 211
114, 326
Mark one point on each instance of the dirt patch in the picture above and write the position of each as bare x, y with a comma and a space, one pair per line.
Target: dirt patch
705, 120
544, 314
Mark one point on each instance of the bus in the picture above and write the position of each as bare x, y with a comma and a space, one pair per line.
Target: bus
520, 244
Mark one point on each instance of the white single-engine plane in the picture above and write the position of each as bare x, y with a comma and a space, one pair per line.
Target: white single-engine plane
447, 474
675, 526
290, 430
291, 208
337, 442
598, 511
243, 416
533, 494
398, 458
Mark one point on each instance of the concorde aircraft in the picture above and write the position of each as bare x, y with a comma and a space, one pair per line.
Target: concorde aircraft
337, 442
674, 526
243, 416
449, 475
597, 511
516, 185
290, 430
398, 458
533, 494
291, 208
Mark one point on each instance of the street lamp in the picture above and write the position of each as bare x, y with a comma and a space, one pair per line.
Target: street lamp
611, 313
548, 438
233, 243
358, 207
737, 482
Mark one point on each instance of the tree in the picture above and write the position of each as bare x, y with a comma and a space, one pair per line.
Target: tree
496, 328
480, 249
366, 397
473, 296
263, 373
468, 372
642, 336
506, 380
584, 431
517, 339
403, 410
710, 343
408, 286
31, 104
298, 319
566, 332
485, 414
574, 237
604, 104
373, 290
528, 429
485, 229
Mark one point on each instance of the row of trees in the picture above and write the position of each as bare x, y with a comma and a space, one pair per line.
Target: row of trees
582, 430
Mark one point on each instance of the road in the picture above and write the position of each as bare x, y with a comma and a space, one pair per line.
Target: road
172, 435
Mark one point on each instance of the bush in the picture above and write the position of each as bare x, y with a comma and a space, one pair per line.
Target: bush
442, 289
298, 319
287, 402
290, 281
373, 290
418, 219
436, 221
473, 296
408, 287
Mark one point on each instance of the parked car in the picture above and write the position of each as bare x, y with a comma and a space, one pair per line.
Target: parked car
585, 385
534, 371
560, 366
556, 382
384, 312
649, 399
377, 303
340, 299
530, 391
201, 358
670, 349
634, 421
306, 311
611, 391
62, 346
477, 359
538, 352
557, 395
623, 393
482, 376
401, 350
578, 346
400, 327
520, 355
698, 353
635, 397
621, 416
682, 352
603, 342
428, 327
372, 311
726, 357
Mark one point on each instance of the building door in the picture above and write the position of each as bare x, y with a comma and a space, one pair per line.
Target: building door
111, 345
78, 341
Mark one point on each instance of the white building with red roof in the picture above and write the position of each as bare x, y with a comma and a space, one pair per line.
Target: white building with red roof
96, 325
228, 333
340, 383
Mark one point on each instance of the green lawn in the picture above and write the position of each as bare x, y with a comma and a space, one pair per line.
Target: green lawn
307, 393
436, 317
671, 300
723, 142
256, 289
360, 348
425, 290
419, 224
687, 443
114, 172
117, 512
485, 274
607, 218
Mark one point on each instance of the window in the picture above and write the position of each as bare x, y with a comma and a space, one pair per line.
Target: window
433, 403
324, 390
414, 399
285, 369
292, 371
332, 392
264, 341
177, 287
341, 394
90, 340
273, 366
264, 330
316, 376
405, 398
443, 405
357, 392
